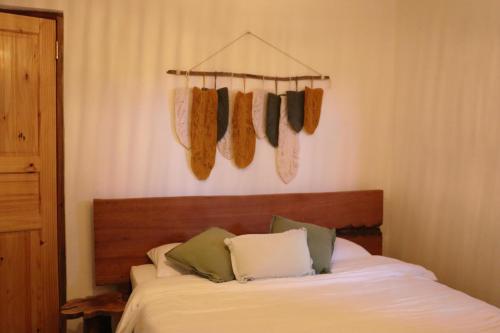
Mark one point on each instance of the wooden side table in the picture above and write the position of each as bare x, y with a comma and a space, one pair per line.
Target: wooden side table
97, 311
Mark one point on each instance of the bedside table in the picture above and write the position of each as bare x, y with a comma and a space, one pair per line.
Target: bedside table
97, 311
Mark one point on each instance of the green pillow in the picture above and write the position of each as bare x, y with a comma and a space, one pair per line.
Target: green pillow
206, 255
319, 240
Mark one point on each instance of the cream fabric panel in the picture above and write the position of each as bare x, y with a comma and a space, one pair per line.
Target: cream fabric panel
443, 205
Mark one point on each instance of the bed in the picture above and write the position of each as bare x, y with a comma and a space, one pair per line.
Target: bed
367, 294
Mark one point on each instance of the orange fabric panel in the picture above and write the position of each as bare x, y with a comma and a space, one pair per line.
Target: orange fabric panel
312, 108
203, 132
243, 131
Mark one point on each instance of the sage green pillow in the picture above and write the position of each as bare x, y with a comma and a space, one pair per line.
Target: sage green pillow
320, 241
206, 255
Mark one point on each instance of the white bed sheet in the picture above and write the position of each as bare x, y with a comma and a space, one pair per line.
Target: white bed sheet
374, 294
141, 274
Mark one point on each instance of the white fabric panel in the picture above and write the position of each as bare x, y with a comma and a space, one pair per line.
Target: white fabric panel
373, 294
225, 145
142, 273
259, 112
182, 106
287, 153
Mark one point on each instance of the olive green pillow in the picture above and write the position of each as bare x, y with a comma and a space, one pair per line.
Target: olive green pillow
206, 255
320, 241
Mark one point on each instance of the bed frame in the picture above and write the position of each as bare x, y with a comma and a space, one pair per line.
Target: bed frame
125, 229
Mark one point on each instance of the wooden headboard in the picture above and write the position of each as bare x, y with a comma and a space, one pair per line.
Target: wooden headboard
125, 229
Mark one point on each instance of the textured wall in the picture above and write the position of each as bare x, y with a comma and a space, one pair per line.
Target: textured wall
443, 206
119, 101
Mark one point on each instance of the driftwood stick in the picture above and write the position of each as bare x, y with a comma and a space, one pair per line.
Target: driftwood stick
248, 76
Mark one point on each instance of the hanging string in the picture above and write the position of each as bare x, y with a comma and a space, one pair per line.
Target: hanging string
249, 33
283, 52
218, 51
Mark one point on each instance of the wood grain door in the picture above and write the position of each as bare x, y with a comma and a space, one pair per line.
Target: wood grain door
28, 208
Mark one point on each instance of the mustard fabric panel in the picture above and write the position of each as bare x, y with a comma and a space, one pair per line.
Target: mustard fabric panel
312, 108
203, 132
243, 131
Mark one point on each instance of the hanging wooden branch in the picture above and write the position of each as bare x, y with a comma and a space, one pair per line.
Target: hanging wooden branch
249, 76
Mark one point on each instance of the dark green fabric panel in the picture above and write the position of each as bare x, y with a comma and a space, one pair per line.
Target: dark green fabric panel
273, 118
295, 109
206, 255
320, 241
222, 112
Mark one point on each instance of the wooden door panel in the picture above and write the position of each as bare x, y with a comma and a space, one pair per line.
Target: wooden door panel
19, 93
19, 201
28, 195
19, 283
16, 164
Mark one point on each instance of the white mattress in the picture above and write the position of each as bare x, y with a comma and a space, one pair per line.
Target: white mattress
142, 273
374, 294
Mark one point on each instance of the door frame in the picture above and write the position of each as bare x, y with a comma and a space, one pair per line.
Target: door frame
61, 238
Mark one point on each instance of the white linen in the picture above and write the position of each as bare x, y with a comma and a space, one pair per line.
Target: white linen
257, 256
344, 249
373, 294
142, 273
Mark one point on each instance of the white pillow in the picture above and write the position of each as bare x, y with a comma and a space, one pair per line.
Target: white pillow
142, 273
163, 267
344, 249
261, 256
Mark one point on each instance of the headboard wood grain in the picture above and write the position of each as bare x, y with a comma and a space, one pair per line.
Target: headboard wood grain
125, 229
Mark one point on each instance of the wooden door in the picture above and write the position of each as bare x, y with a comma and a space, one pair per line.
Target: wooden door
28, 208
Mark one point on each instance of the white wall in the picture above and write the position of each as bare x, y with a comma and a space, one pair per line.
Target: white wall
443, 207
118, 99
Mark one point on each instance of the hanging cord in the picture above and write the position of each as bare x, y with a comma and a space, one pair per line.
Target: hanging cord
249, 33
283, 52
218, 51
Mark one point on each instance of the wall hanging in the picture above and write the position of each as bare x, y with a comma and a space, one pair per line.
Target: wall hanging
207, 120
